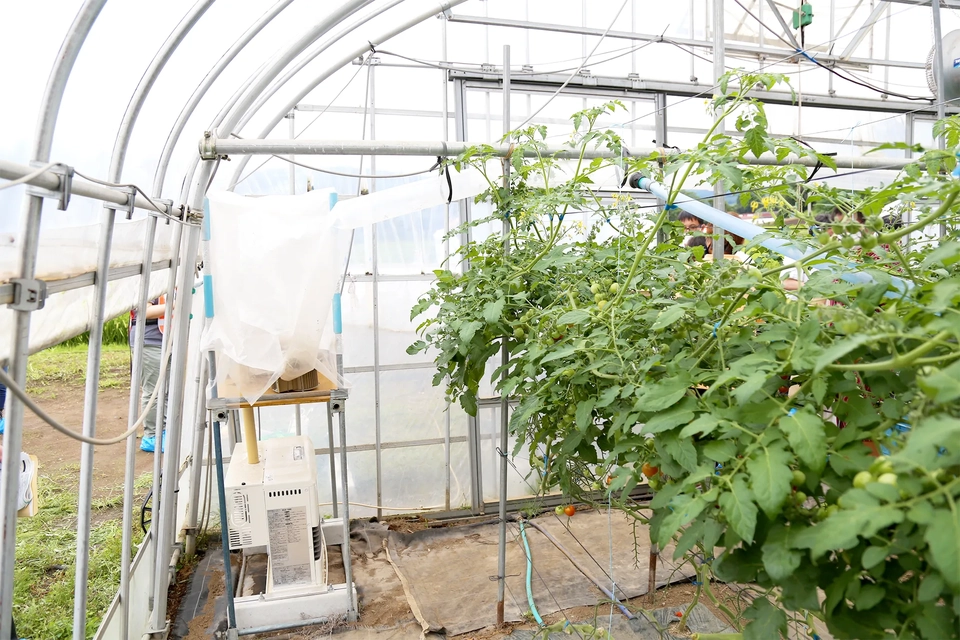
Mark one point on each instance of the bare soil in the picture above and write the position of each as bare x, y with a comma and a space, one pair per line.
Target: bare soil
59, 455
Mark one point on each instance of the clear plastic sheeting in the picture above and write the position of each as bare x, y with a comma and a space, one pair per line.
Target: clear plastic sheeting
415, 196
273, 263
69, 313
70, 251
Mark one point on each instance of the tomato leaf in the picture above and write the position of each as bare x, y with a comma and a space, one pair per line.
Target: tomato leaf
766, 621
943, 535
807, 437
737, 505
770, 476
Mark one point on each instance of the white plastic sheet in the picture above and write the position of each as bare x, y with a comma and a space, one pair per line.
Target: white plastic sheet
273, 262
414, 196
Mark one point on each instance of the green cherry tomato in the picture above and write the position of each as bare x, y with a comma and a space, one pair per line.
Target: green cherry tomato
881, 466
559, 510
848, 242
888, 478
594, 288
799, 477
799, 497
518, 333
614, 288
823, 238
868, 242
862, 479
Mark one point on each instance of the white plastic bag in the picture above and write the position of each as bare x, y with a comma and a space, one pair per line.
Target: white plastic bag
273, 262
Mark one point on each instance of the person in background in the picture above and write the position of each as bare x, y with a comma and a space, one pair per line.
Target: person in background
690, 222
150, 374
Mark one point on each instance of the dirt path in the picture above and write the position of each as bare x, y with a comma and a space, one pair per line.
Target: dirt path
62, 398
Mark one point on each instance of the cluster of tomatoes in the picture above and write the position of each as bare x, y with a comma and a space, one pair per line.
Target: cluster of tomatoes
568, 510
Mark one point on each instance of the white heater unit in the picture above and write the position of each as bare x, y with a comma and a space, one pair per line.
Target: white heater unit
273, 508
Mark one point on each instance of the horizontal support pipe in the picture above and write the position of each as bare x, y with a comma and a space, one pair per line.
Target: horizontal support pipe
51, 181
86, 279
731, 48
211, 147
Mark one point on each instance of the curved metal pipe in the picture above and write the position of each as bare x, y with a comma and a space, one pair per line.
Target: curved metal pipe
239, 106
307, 59
120, 147
174, 136
443, 6
305, 40
29, 238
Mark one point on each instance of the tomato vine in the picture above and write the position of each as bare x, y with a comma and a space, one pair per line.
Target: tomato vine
757, 412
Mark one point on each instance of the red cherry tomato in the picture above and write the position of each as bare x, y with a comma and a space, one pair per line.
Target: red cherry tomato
649, 470
569, 510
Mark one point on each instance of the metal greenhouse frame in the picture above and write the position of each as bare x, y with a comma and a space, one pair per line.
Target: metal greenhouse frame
280, 89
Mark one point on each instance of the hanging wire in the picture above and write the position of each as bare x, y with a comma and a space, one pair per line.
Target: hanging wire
30, 176
432, 167
159, 209
577, 70
363, 136
309, 124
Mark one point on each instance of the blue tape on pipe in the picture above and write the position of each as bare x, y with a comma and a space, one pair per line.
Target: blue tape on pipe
670, 207
205, 225
333, 199
208, 295
337, 319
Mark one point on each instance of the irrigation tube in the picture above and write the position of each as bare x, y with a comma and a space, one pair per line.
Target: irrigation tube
526, 548
717, 218
580, 568
744, 229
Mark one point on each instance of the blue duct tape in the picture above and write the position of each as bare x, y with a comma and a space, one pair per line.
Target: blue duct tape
205, 225
208, 295
333, 199
337, 319
670, 207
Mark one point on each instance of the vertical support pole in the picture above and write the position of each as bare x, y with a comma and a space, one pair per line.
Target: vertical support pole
886, 50
445, 130
134, 409
347, 560
333, 457
160, 408
718, 70
504, 357
660, 129
344, 488
938, 65
378, 438
222, 498
196, 460
693, 71
171, 460
473, 428
19, 348
94, 350
292, 168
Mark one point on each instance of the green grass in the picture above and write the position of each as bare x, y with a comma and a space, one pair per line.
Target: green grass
114, 332
66, 365
46, 560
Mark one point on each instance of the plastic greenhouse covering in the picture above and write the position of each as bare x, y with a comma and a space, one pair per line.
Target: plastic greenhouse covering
277, 249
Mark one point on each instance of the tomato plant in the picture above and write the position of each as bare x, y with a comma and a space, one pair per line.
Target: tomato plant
626, 352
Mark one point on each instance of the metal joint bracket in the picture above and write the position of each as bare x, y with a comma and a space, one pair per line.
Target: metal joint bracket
28, 295
336, 406
62, 193
192, 216
208, 146
128, 206
168, 205
220, 415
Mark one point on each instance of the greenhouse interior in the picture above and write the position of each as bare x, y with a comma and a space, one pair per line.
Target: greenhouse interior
480, 319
